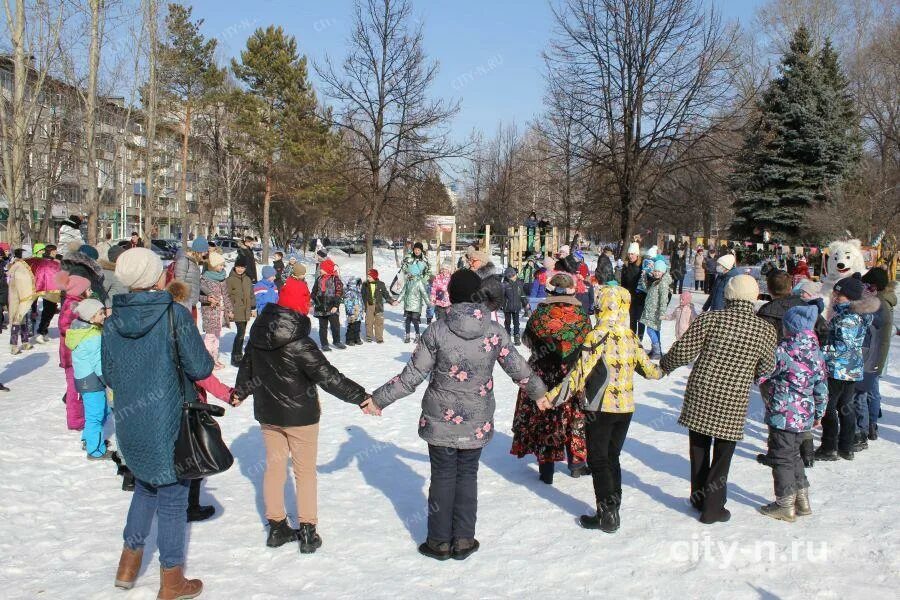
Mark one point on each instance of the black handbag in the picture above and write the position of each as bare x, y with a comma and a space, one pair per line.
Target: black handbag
200, 450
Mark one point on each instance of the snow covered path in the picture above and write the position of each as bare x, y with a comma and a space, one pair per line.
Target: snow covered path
61, 517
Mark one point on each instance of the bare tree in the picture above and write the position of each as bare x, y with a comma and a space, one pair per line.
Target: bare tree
650, 79
150, 102
381, 89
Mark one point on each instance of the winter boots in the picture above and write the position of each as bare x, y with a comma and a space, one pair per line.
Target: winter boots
406, 339
173, 585
862, 442
280, 533
606, 519
783, 508
579, 470
309, 539
545, 471
801, 506
436, 550
655, 352
827, 455
517, 341
461, 549
129, 565
195, 511
873, 432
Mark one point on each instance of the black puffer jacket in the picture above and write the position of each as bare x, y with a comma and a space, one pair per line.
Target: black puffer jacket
773, 314
282, 367
631, 276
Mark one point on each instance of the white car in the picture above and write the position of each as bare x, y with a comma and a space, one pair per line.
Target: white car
229, 248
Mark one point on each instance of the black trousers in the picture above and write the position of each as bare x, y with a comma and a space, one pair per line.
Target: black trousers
787, 465
710, 463
352, 335
606, 433
678, 285
710, 282
453, 493
47, 312
700, 285
194, 493
412, 318
237, 348
334, 321
839, 422
511, 322
635, 312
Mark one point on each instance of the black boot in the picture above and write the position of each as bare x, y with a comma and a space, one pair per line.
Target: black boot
546, 472
517, 341
873, 431
606, 519
823, 454
464, 548
309, 539
127, 480
196, 512
435, 550
764, 459
579, 470
280, 533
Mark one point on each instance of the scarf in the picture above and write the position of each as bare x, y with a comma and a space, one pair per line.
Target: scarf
215, 275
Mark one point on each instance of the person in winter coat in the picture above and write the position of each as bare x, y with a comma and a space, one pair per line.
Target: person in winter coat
683, 314
83, 263
375, 294
797, 403
415, 300
245, 251
281, 369
69, 237
151, 348
725, 272
853, 314
44, 271
541, 278
187, 270
243, 304
678, 270
514, 302
801, 271
353, 308
216, 308
21, 293
83, 341
327, 296
613, 341
699, 271
710, 267
555, 332
76, 289
656, 303
457, 355
278, 265
631, 281
868, 395
440, 298
730, 349
4, 289
111, 283
265, 291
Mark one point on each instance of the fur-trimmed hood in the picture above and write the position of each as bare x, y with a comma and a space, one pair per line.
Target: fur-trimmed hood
866, 305
889, 294
179, 290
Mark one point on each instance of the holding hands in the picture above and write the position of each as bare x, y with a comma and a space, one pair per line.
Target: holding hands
544, 403
370, 408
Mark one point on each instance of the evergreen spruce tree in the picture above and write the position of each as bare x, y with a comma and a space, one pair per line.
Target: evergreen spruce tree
799, 148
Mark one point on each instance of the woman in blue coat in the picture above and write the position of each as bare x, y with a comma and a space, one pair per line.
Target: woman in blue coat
152, 353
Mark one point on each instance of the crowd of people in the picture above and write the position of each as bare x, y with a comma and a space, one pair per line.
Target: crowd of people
130, 325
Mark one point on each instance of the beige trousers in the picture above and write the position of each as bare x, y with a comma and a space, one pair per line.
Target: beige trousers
300, 444
374, 325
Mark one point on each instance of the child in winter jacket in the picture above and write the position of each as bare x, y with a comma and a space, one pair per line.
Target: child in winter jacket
375, 294
327, 297
439, 296
243, 304
83, 340
514, 301
21, 293
415, 300
853, 313
353, 308
683, 314
76, 289
457, 355
216, 307
278, 265
265, 289
611, 340
797, 403
655, 304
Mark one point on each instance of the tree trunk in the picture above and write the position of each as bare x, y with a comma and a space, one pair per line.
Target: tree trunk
90, 125
182, 193
151, 109
267, 201
626, 228
14, 128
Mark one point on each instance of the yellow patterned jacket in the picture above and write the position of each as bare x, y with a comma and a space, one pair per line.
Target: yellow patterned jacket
624, 354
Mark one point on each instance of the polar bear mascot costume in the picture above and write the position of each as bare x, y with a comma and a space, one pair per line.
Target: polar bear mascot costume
845, 258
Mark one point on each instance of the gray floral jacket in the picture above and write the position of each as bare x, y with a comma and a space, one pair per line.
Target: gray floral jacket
459, 354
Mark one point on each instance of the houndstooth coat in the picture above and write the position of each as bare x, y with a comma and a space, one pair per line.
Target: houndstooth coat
732, 348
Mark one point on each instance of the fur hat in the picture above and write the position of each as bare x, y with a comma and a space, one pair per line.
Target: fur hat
215, 260
463, 286
200, 244
851, 287
800, 318
561, 283
298, 271
114, 253
267, 271
179, 290
139, 268
294, 295
634, 248
478, 255
876, 277
652, 252
88, 308
742, 287
564, 251
241, 261
726, 261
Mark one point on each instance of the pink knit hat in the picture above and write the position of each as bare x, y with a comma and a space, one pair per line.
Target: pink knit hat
686, 298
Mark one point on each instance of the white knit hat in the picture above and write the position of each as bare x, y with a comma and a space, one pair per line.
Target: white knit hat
634, 248
564, 251
215, 259
88, 308
726, 261
652, 251
139, 268
742, 287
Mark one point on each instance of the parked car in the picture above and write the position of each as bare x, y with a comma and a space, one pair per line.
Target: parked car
168, 245
163, 253
347, 245
228, 246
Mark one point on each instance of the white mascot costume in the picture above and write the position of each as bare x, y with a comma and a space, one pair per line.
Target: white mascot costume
844, 259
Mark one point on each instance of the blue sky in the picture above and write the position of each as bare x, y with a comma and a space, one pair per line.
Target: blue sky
489, 50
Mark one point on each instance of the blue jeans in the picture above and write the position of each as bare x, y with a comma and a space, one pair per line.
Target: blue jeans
95, 413
169, 504
654, 337
868, 401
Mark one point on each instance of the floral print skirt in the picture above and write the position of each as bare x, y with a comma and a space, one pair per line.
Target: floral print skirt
552, 435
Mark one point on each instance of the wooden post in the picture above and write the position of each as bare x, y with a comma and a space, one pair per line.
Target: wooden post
453, 247
487, 240
437, 255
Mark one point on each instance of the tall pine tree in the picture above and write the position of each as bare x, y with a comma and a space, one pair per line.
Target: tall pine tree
799, 148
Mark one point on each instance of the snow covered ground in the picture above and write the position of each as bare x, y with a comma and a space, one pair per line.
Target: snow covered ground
61, 517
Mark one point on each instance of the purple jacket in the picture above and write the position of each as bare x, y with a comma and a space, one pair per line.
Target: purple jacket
800, 384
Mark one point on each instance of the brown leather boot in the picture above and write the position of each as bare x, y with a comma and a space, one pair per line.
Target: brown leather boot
129, 565
173, 585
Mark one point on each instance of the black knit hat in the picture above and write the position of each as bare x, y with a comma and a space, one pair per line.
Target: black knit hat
114, 253
419, 246
851, 287
463, 287
241, 261
876, 277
